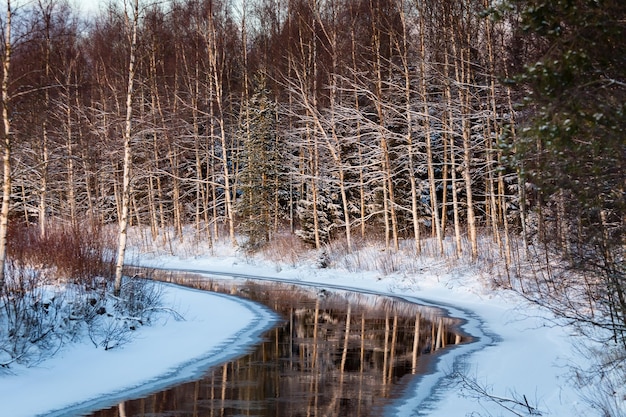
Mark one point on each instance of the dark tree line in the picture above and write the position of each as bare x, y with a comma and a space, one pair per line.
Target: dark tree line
572, 149
332, 119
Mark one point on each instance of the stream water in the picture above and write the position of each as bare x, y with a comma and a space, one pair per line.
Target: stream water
335, 353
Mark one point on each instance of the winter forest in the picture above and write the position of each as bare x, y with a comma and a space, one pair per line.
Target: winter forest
395, 121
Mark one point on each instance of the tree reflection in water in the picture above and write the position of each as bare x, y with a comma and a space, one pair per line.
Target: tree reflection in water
335, 354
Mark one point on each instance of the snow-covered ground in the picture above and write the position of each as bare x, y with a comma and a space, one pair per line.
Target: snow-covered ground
81, 378
520, 352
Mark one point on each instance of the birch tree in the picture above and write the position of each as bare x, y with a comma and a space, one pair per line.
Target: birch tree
126, 186
216, 58
403, 46
426, 124
6, 158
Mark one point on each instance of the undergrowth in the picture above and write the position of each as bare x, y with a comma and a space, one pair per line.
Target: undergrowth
59, 290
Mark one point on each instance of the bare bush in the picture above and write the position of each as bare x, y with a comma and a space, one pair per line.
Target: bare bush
108, 332
139, 298
285, 248
80, 251
29, 316
59, 288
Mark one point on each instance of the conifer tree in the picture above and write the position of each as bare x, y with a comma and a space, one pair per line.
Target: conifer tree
573, 145
261, 168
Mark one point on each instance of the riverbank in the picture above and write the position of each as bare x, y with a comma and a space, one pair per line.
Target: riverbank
81, 378
522, 355
522, 352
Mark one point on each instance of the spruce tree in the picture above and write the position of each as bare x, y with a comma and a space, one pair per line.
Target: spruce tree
261, 168
573, 145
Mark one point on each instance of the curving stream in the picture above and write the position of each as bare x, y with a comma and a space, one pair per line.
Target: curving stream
335, 353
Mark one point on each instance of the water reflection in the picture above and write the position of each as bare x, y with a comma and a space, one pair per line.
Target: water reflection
335, 354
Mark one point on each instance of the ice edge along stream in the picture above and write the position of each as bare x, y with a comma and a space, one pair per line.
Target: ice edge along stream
420, 395
423, 391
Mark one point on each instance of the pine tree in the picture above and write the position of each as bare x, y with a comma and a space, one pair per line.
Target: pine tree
327, 218
261, 170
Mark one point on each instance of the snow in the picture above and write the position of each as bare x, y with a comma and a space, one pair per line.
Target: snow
519, 351
82, 378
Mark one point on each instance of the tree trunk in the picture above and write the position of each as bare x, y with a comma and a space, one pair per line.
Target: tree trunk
6, 159
389, 204
452, 145
216, 83
404, 53
463, 78
123, 221
427, 133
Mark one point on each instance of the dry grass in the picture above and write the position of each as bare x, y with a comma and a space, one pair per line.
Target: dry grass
286, 249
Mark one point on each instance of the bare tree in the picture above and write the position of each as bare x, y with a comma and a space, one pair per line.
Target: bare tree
216, 76
6, 159
126, 186
403, 46
427, 129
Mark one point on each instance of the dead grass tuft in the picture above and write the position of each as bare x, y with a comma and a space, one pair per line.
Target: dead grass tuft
285, 248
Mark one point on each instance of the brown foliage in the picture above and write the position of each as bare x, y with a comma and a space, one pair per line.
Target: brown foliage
76, 252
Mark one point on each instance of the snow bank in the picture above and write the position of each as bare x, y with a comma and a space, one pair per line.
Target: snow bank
520, 351
82, 378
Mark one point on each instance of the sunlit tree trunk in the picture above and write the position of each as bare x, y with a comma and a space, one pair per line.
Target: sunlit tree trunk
427, 133
355, 68
89, 177
334, 146
6, 158
467, 174
389, 203
449, 126
521, 179
314, 159
199, 185
463, 78
499, 203
404, 54
45, 154
216, 85
69, 135
155, 193
123, 220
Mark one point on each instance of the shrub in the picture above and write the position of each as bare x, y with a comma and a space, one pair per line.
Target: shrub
59, 288
79, 252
